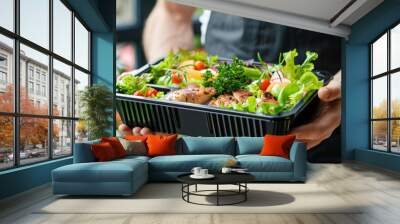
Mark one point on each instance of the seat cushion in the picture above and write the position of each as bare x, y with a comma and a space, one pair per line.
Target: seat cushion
132, 159
208, 145
112, 171
249, 145
257, 163
185, 163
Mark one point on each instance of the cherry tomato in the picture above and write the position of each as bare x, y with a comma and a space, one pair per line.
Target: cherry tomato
199, 65
151, 92
176, 78
138, 93
264, 84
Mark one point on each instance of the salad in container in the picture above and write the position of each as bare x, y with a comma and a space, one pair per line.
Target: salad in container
202, 82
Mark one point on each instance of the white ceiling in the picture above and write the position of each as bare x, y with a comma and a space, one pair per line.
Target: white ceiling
320, 9
333, 17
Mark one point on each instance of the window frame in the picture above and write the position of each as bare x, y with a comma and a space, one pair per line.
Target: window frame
16, 114
388, 74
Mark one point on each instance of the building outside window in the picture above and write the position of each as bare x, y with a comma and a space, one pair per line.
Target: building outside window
37, 74
30, 72
30, 87
3, 72
55, 97
43, 90
44, 77
57, 127
385, 94
3, 78
38, 89
3, 60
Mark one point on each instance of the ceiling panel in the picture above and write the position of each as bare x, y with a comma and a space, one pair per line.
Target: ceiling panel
321, 9
333, 17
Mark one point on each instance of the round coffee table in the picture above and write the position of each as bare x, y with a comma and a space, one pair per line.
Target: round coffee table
238, 179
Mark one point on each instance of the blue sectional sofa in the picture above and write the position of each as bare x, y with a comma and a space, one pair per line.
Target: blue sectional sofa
125, 176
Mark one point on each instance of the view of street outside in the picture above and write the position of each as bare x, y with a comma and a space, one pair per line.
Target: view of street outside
379, 94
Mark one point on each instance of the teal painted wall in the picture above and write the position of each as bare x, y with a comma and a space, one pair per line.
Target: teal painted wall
103, 53
99, 15
24, 178
379, 159
356, 85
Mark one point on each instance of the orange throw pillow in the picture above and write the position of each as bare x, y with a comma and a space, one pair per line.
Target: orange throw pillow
103, 152
136, 138
277, 145
161, 145
116, 145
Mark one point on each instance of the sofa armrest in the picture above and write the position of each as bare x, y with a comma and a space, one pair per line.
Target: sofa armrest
83, 152
298, 155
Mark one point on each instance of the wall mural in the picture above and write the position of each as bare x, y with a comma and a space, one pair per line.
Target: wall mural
246, 78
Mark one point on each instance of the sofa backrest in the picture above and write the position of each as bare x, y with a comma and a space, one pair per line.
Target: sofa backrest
190, 146
206, 145
249, 145
83, 152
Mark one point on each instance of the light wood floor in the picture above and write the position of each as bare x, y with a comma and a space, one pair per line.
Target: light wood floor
377, 188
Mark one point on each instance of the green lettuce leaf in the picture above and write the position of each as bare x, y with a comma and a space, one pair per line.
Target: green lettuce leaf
269, 108
295, 98
293, 71
238, 107
164, 80
308, 65
254, 87
131, 83
310, 81
251, 104
290, 70
288, 90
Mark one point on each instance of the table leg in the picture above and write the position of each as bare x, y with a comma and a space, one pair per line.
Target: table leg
195, 188
182, 189
217, 194
188, 190
245, 193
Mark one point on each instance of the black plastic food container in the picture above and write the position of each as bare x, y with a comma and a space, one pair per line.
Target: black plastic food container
203, 120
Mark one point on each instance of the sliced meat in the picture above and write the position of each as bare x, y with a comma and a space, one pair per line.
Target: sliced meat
199, 95
225, 100
203, 95
241, 95
268, 97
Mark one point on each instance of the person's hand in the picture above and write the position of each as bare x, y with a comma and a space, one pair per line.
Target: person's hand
327, 118
168, 28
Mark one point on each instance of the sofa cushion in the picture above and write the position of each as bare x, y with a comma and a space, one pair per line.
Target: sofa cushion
160, 145
133, 158
185, 163
208, 145
112, 171
249, 145
103, 152
257, 163
277, 145
134, 147
142, 138
116, 145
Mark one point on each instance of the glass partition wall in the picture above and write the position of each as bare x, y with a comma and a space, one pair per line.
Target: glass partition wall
385, 91
44, 64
